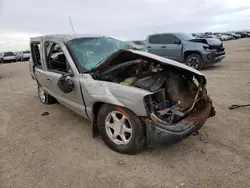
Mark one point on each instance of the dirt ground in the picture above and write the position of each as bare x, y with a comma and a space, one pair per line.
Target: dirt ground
58, 150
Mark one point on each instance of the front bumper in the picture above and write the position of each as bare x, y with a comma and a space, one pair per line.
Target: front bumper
160, 134
210, 58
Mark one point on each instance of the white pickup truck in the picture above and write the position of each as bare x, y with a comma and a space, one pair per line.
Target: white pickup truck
25, 55
7, 57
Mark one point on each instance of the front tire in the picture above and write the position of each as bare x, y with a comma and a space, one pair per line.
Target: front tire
44, 97
195, 61
121, 129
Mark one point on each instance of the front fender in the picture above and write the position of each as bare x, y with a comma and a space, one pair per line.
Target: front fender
107, 92
193, 46
132, 98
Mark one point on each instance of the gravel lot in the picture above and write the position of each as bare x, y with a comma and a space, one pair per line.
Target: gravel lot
58, 150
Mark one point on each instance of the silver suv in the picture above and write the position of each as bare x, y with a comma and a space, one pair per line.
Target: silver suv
132, 98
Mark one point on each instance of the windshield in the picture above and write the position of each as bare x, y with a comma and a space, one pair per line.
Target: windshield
184, 36
89, 52
26, 52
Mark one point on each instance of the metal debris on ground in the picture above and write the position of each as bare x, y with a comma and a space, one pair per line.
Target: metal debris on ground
196, 133
238, 106
45, 113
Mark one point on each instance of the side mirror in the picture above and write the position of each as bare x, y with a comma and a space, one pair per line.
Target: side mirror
69, 73
64, 84
177, 41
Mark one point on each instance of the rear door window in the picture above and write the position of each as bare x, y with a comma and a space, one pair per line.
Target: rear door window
154, 39
36, 53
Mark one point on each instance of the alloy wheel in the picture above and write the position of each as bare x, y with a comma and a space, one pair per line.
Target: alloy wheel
118, 128
193, 62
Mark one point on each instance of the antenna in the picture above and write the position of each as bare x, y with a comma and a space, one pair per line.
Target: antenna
72, 26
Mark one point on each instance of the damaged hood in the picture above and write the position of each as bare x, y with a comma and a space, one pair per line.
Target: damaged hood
125, 55
209, 41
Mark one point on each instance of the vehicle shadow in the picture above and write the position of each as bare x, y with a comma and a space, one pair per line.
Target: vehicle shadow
213, 67
176, 150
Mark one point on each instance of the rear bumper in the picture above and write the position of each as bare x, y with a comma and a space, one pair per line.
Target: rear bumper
159, 134
26, 58
9, 60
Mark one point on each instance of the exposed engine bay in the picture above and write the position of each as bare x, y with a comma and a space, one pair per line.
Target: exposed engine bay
176, 93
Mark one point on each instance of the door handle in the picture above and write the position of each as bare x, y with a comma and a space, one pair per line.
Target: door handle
148, 46
163, 47
48, 79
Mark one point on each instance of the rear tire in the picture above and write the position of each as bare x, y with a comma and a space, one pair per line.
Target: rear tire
127, 134
44, 97
195, 61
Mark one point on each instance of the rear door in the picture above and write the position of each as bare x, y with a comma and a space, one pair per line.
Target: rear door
58, 63
153, 45
35, 61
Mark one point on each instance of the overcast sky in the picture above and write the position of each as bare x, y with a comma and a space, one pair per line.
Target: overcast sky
123, 19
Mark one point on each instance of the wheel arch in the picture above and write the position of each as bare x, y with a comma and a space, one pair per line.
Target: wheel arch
95, 111
189, 52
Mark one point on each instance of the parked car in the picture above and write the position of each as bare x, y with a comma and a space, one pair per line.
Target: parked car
18, 56
242, 34
200, 36
208, 33
229, 36
7, 57
211, 36
24, 55
196, 35
132, 98
219, 37
248, 33
184, 48
234, 35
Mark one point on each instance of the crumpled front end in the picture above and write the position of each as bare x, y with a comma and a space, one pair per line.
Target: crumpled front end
163, 133
176, 103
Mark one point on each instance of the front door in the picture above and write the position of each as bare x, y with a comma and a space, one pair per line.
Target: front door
169, 48
59, 63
